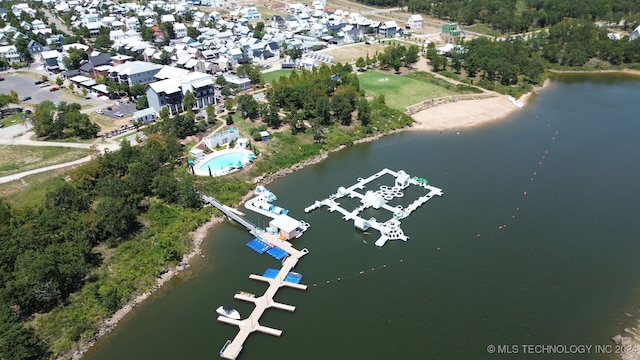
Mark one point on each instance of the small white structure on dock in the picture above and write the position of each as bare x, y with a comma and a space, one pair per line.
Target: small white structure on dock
379, 199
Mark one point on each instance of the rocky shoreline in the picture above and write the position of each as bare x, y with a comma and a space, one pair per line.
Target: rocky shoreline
108, 325
629, 344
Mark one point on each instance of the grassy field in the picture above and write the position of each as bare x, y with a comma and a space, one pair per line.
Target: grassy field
15, 192
15, 159
350, 53
400, 91
272, 75
13, 119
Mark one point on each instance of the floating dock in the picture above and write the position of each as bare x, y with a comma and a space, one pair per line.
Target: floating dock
379, 199
275, 244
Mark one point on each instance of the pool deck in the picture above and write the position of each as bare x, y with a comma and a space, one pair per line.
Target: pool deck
198, 165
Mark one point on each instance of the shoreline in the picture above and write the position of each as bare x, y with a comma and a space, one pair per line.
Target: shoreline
197, 237
471, 113
458, 118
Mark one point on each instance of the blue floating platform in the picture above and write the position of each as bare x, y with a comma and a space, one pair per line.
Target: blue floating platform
270, 273
293, 277
258, 246
277, 253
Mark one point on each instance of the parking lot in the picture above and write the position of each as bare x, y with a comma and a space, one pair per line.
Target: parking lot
23, 84
127, 109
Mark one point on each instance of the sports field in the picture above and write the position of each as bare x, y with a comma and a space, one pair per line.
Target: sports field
400, 91
273, 75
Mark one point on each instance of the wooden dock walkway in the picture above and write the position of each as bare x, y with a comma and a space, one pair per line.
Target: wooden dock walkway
232, 349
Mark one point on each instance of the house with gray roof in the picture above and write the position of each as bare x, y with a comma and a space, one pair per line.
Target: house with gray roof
135, 72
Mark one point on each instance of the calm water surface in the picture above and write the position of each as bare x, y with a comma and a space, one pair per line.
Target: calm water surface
563, 271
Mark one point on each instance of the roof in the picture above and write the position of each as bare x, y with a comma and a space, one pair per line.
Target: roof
285, 223
167, 86
135, 67
144, 112
170, 72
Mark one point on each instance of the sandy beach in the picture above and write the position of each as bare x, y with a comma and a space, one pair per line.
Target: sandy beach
465, 113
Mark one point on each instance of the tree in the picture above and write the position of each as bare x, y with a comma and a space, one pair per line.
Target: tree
59, 81
342, 108
193, 32
364, 112
189, 101
259, 30
142, 103
116, 217
248, 106
361, 63
229, 119
221, 81
138, 89
411, 55
18, 341
250, 71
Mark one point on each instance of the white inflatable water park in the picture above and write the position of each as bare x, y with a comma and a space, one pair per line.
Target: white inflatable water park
379, 199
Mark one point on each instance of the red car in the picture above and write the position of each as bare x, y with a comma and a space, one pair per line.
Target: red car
55, 88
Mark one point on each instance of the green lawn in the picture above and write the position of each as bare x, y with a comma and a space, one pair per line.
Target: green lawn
400, 91
13, 119
276, 74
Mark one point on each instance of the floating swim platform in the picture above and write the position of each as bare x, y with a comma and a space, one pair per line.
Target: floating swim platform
277, 253
258, 246
271, 273
293, 277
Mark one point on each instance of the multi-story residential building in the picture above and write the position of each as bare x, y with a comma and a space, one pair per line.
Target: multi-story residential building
135, 72
170, 92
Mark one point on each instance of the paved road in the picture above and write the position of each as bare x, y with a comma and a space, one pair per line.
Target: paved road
51, 18
20, 135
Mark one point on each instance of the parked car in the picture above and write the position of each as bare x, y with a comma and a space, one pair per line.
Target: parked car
99, 111
118, 114
26, 98
55, 88
1, 79
39, 82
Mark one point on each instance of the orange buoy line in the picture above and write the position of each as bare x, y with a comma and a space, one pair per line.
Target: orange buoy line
532, 178
361, 272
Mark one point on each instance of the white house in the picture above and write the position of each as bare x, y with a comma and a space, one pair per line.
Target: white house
180, 30
415, 21
10, 53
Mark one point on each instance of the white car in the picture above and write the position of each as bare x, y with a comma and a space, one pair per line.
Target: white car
118, 114
99, 111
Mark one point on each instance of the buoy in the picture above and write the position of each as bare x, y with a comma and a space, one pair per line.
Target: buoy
338, 279
384, 266
477, 235
539, 162
524, 193
401, 260
535, 173
314, 285
327, 281
373, 269
438, 249
513, 216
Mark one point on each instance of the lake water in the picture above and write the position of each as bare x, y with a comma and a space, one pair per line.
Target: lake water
563, 271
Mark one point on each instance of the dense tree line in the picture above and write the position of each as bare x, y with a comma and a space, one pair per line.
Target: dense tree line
321, 97
46, 252
506, 16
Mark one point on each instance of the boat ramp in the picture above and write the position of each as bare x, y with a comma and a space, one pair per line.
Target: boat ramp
379, 199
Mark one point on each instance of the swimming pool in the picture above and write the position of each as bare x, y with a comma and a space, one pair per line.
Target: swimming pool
223, 162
